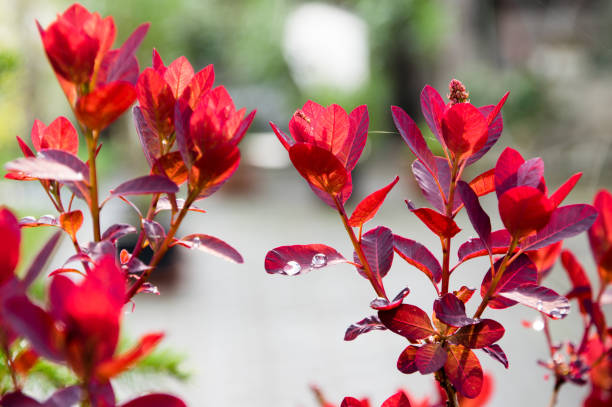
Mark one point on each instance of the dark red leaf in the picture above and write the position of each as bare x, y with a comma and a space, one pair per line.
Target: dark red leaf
565, 222
147, 136
358, 131
298, 259
419, 256
155, 233
399, 399
433, 106
149, 184
408, 321
497, 353
351, 402
117, 231
520, 271
494, 130
413, 137
463, 370
430, 358
383, 304
44, 168
451, 310
464, 129
68, 396
367, 208
34, 324
18, 399
540, 298
441, 225
211, 245
531, 173
478, 217
500, 240
429, 186
600, 234
125, 54
377, 246
406, 362
581, 285
368, 324
41, 258
485, 333
156, 400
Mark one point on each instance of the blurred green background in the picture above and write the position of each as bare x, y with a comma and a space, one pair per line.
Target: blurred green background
555, 58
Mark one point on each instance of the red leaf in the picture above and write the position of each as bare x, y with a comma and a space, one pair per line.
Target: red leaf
117, 365
172, 166
531, 174
358, 134
545, 257
566, 221
430, 358
59, 135
600, 234
413, 137
148, 184
408, 321
368, 207
484, 183
41, 258
581, 284
156, 400
539, 298
463, 370
493, 133
71, 222
352, 402
368, 324
201, 83
485, 333
319, 167
450, 310
44, 168
123, 62
406, 362
156, 102
105, 104
331, 131
117, 231
506, 169
147, 136
178, 75
441, 225
213, 169
10, 241
383, 304
419, 256
464, 129
524, 210
464, 294
399, 399
377, 246
559, 195
519, 272
298, 259
211, 245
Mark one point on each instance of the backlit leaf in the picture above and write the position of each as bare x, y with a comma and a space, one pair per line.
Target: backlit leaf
419, 256
211, 245
319, 167
450, 310
539, 298
463, 370
520, 271
406, 362
430, 358
148, 184
413, 137
484, 333
408, 321
497, 353
367, 208
441, 225
478, 217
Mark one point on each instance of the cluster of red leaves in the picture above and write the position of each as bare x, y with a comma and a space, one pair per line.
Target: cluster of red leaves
324, 148
189, 131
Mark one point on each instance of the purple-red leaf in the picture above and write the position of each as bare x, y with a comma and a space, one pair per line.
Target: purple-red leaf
451, 310
367, 208
463, 370
520, 271
581, 285
500, 240
408, 321
43, 168
441, 225
149, 184
117, 231
430, 358
377, 246
156, 400
212, 245
419, 256
484, 333
540, 298
383, 304
298, 259
368, 324
432, 106
41, 259
497, 353
565, 222
155, 233
406, 362
413, 137
399, 399
478, 217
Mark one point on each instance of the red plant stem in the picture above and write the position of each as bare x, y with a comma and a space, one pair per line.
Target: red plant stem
446, 242
451, 394
495, 278
163, 249
94, 206
380, 291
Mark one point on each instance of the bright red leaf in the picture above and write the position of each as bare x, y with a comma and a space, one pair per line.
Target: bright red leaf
463, 370
367, 208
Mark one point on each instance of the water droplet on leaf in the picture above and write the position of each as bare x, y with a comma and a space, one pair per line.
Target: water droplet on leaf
318, 260
539, 305
292, 268
196, 242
